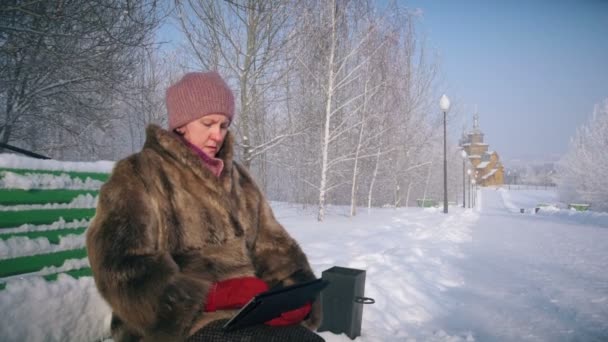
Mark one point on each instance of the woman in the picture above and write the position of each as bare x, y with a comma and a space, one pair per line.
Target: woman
182, 236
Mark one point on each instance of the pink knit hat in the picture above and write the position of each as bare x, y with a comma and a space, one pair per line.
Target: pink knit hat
196, 95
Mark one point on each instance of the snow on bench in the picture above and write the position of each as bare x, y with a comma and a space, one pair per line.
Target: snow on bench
45, 209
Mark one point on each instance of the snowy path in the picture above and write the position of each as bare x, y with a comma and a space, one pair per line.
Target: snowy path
530, 278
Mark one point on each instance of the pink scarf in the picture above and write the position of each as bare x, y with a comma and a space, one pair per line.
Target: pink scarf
215, 165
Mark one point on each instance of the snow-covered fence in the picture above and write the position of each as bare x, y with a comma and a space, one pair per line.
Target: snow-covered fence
45, 277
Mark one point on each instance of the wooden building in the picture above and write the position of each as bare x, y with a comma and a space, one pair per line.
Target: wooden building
485, 165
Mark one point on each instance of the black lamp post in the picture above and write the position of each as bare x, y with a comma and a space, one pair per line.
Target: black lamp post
464, 184
474, 191
469, 182
444, 104
475, 185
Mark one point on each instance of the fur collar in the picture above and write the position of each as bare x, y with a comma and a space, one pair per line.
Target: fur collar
169, 143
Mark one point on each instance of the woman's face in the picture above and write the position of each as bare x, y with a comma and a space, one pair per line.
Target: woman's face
206, 133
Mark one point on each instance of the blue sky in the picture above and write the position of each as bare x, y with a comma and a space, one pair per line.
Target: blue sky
535, 69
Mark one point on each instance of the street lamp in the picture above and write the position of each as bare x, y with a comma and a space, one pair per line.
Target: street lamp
469, 179
474, 182
464, 184
444, 104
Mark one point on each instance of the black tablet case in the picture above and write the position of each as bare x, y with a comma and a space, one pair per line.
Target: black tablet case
271, 304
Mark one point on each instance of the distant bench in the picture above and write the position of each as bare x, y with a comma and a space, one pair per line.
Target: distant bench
579, 206
27, 215
427, 203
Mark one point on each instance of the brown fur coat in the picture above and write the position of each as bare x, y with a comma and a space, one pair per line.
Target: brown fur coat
166, 228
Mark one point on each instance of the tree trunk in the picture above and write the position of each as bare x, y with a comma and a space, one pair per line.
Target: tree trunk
426, 185
407, 197
328, 106
373, 181
353, 191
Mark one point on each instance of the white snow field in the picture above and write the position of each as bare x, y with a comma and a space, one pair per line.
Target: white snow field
531, 277
483, 274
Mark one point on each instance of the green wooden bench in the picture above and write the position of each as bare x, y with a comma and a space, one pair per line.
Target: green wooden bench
53, 235
34, 263
426, 203
100, 176
10, 197
45, 212
579, 206
11, 219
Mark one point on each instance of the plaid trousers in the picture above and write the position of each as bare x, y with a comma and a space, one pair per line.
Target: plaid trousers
213, 332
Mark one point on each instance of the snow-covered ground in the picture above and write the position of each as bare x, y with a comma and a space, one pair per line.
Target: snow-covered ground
531, 277
487, 274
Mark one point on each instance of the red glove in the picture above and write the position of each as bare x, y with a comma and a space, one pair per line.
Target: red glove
291, 317
233, 293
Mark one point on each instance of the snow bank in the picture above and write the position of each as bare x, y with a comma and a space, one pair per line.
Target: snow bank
547, 201
60, 224
8, 160
12, 180
582, 217
22, 246
67, 309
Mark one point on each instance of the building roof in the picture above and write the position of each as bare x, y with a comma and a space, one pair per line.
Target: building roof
483, 165
489, 174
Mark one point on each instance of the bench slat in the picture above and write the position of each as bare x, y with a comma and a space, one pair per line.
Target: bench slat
36, 196
73, 174
10, 219
54, 236
81, 272
34, 263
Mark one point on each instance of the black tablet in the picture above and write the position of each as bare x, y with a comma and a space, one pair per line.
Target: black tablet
272, 303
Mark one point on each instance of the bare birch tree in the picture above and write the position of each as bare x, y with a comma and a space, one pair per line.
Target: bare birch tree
245, 40
333, 62
62, 62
